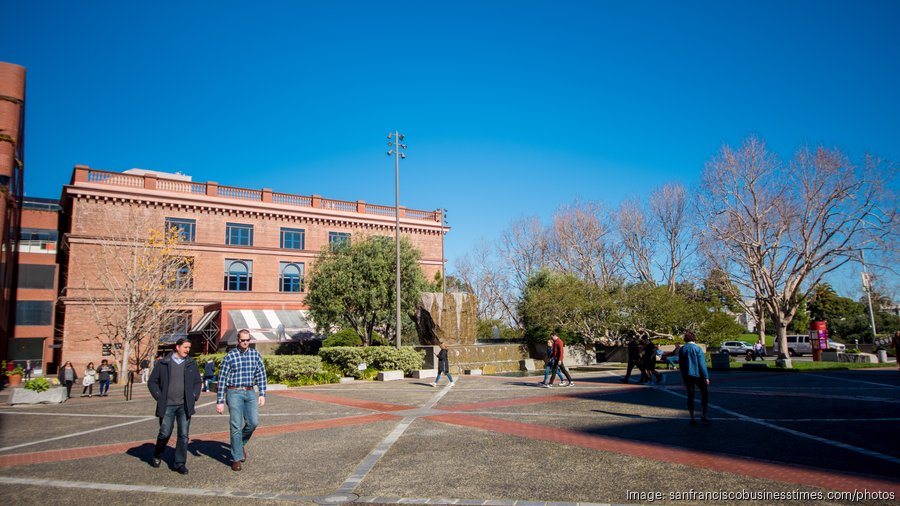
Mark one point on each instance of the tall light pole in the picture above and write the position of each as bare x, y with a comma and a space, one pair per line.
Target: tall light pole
395, 144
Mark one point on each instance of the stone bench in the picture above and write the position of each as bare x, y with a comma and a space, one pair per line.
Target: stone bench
55, 395
389, 375
424, 373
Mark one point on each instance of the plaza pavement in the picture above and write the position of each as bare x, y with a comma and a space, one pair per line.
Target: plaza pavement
488, 440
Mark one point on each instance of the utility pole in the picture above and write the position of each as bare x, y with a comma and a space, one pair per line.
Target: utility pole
443, 257
867, 287
396, 137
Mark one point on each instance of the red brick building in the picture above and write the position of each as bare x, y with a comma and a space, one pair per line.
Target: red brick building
251, 249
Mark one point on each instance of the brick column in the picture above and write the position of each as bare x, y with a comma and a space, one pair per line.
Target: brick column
267, 195
81, 174
212, 188
361, 206
150, 181
317, 201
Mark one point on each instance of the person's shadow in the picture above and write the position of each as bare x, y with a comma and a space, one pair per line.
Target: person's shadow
216, 450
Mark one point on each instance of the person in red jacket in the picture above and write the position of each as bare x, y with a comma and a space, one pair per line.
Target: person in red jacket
558, 355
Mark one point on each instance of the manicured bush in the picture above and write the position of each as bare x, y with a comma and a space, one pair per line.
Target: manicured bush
378, 358
345, 337
292, 370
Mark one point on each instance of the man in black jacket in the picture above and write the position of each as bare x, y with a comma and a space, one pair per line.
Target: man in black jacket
175, 384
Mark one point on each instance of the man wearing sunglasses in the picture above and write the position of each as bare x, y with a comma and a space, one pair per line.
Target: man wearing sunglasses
241, 369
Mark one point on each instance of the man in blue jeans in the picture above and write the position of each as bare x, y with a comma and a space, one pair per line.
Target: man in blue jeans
175, 384
241, 369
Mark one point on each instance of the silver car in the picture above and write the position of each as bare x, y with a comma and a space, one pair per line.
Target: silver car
735, 347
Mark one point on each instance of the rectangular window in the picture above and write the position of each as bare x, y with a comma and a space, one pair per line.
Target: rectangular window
238, 275
336, 239
291, 277
37, 276
181, 273
186, 228
293, 238
237, 234
177, 325
38, 234
34, 312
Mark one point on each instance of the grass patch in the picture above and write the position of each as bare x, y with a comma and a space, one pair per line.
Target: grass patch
810, 366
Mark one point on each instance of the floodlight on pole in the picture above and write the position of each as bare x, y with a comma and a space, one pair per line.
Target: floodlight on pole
396, 151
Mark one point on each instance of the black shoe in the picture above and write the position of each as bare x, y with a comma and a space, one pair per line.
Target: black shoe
181, 470
155, 462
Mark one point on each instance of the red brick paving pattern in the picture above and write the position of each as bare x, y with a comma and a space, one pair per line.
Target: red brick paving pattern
794, 474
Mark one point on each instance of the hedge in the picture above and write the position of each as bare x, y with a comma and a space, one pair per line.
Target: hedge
379, 358
288, 369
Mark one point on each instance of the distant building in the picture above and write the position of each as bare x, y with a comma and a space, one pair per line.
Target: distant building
251, 250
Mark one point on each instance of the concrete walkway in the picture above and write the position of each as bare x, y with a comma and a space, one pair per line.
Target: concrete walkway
806, 437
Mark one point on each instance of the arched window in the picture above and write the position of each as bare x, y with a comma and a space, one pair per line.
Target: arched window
291, 278
238, 275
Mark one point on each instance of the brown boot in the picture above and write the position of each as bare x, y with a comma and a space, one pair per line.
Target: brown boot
236, 466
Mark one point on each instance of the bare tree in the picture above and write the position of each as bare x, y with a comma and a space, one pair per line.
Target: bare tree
582, 244
638, 240
478, 269
138, 282
670, 210
782, 227
524, 249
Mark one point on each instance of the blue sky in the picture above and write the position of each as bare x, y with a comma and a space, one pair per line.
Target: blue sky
509, 108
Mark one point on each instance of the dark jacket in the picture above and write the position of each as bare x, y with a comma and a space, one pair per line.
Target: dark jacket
159, 384
209, 369
61, 376
443, 361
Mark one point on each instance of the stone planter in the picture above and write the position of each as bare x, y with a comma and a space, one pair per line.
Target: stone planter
830, 356
55, 395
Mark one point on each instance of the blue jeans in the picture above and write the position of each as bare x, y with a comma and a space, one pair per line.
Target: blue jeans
206, 381
243, 408
165, 431
104, 386
672, 362
439, 377
547, 370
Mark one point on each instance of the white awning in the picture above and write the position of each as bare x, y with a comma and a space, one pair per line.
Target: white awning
270, 326
204, 321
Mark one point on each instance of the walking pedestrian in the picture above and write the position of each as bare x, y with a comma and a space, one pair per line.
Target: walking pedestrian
549, 363
29, 370
145, 370
443, 366
104, 374
650, 361
241, 369
90, 376
692, 362
67, 377
559, 352
634, 359
175, 384
209, 373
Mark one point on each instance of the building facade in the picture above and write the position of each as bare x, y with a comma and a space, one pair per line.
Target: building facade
251, 249
37, 285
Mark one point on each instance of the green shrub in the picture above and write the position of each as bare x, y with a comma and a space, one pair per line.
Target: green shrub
345, 337
37, 384
281, 368
377, 358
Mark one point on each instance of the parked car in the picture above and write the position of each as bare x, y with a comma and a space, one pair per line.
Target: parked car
841, 348
797, 345
735, 347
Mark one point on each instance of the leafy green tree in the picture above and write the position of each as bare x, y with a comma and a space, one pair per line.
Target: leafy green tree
565, 304
353, 286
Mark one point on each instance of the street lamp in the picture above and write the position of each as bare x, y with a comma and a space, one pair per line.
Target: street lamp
395, 138
443, 256
867, 287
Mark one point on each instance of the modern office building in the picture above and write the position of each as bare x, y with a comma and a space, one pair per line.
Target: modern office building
251, 250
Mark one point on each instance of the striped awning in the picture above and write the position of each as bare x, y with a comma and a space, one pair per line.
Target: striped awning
270, 326
204, 321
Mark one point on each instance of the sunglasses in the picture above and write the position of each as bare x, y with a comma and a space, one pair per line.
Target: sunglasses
244, 340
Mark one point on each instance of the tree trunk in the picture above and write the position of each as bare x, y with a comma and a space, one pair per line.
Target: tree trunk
781, 335
123, 367
761, 323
